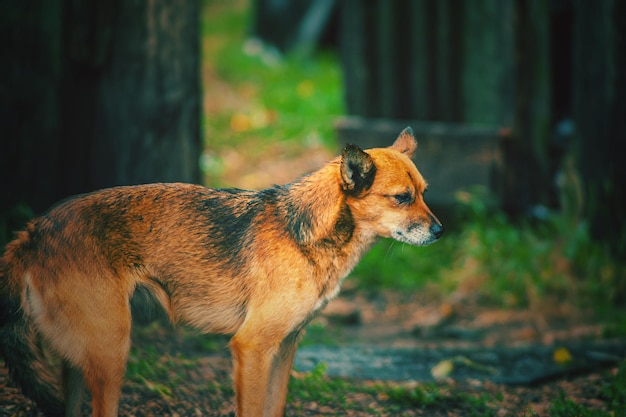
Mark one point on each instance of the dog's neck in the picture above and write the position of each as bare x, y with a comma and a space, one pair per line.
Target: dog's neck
322, 225
318, 214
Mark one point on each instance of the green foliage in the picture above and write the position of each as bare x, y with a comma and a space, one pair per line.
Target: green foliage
516, 263
293, 100
615, 392
390, 398
420, 396
273, 98
616, 328
566, 407
319, 334
148, 367
432, 398
205, 343
316, 386
391, 264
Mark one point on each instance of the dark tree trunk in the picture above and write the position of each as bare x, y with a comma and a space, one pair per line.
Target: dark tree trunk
600, 116
29, 94
148, 96
97, 94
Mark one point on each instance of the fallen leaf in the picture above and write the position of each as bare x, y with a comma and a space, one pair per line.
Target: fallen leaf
561, 356
443, 369
240, 122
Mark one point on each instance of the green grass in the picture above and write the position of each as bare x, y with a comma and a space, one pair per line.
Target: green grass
388, 398
566, 407
395, 265
320, 334
342, 395
614, 393
153, 370
276, 99
316, 386
431, 397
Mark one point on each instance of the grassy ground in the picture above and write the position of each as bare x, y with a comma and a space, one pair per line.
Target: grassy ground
198, 377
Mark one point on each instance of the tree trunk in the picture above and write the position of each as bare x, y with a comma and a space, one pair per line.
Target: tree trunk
146, 125
30, 73
600, 117
98, 94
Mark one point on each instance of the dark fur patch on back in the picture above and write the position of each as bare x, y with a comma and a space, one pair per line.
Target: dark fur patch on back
299, 220
229, 217
227, 222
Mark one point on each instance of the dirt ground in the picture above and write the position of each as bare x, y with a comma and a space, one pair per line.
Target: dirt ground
199, 381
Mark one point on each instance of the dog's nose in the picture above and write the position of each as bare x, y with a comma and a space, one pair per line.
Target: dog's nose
436, 229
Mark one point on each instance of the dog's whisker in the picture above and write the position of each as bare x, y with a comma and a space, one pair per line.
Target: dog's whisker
390, 250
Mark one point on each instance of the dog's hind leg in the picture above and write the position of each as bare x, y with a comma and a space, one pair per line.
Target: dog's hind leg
107, 343
104, 377
73, 389
104, 371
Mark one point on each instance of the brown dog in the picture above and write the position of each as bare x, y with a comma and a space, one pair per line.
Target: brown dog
256, 264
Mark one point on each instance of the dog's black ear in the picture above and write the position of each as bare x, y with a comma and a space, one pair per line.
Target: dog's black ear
357, 170
406, 142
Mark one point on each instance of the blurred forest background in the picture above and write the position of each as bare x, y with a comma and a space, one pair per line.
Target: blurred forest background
518, 106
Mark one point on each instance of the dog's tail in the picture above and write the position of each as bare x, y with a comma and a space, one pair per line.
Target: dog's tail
28, 364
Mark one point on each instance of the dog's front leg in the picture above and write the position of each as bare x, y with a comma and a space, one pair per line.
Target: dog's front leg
261, 374
279, 376
252, 362
262, 358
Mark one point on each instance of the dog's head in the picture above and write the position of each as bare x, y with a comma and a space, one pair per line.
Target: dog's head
385, 191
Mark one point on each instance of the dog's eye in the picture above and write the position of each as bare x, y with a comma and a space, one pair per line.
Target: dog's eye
404, 198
